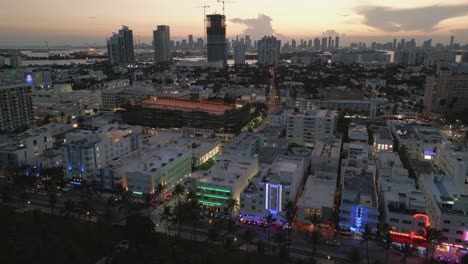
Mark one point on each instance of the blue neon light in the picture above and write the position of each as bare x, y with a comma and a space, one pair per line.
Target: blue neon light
75, 183
430, 153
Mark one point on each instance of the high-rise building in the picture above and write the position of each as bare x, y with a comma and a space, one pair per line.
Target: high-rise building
190, 42
162, 43
394, 43
316, 43
446, 92
402, 43
216, 38
16, 106
239, 52
305, 129
248, 43
293, 44
268, 50
329, 42
120, 47
452, 38
324, 43
337, 42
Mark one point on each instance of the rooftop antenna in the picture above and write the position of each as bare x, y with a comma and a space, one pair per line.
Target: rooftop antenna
204, 6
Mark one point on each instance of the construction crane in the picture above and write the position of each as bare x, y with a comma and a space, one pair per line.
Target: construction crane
224, 1
204, 24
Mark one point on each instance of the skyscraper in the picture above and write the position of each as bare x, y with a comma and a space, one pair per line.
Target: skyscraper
239, 52
394, 43
329, 42
268, 50
162, 42
127, 35
337, 42
316, 43
324, 43
190, 42
452, 38
120, 47
216, 38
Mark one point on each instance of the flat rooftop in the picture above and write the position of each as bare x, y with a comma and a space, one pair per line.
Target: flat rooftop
185, 105
319, 191
327, 148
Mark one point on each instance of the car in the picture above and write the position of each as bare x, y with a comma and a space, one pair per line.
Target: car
333, 243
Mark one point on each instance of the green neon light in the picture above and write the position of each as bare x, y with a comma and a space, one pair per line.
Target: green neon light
138, 193
213, 196
209, 203
214, 189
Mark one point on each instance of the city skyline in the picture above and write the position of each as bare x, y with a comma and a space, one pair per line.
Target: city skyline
32, 23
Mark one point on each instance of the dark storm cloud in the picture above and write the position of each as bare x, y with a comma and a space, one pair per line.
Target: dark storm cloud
420, 18
257, 27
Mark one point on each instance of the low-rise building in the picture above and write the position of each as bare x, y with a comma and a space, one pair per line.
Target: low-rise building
245, 145
305, 129
87, 151
228, 177
359, 204
453, 162
403, 206
446, 206
318, 195
272, 188
141, 171
39, 147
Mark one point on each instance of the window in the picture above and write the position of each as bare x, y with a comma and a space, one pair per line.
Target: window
421, 224
446, 221
406, 222
446, 230
394, 220
459, 232
253, 207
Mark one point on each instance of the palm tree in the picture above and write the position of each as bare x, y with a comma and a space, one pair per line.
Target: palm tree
212, 235
148, 199
166, 215
314, 219
194, 215
433, 238
269, 219
191, 195
291, 210
23, 197
69, 206
354, 256
159, 190
314, 239
367, 236
315, 234
232, 205
52, 201
407, 250
248, 236
388, 242
179, 190
179, 216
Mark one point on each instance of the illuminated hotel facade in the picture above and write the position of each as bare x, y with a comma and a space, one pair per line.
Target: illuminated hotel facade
87, 151
272, 188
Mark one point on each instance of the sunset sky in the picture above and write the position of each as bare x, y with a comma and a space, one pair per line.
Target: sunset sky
31, 22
